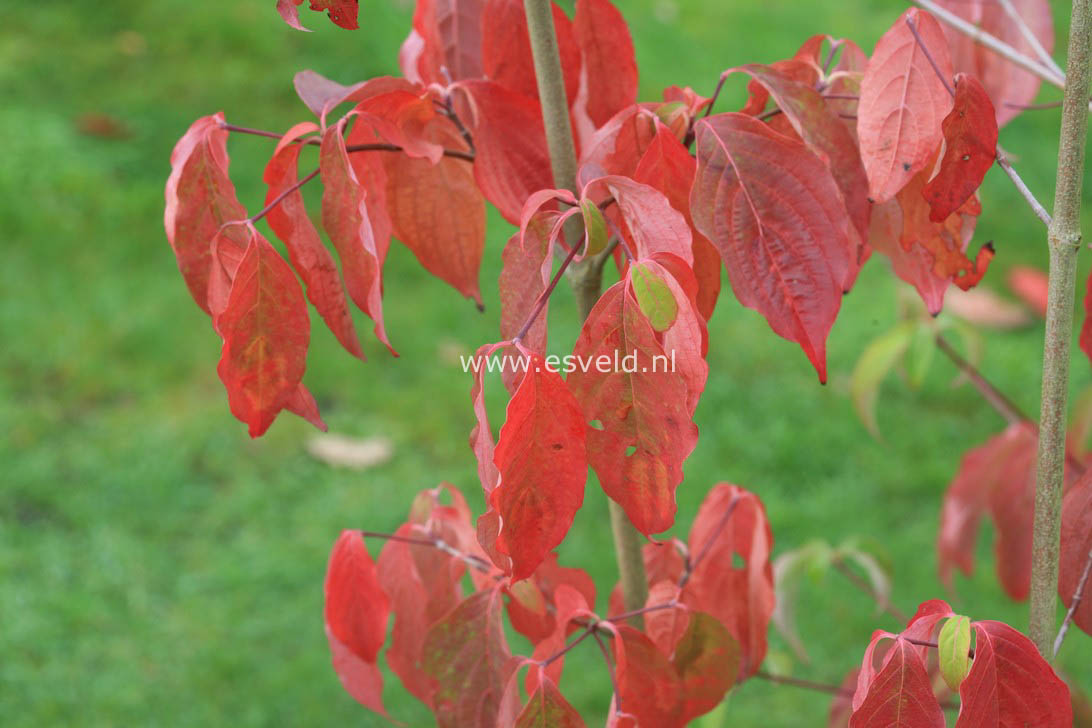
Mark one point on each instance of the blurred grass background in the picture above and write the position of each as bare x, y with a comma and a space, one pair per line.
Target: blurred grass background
157, 567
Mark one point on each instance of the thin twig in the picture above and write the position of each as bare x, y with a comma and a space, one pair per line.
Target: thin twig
1077, 596
436, 543
543, 297
1033, 107
855, 579
1037, 207
929, 57
561, 653
277, 200
827, 687
997, 399
448, 110
644, 610
1030, 37
315, 141
610, 672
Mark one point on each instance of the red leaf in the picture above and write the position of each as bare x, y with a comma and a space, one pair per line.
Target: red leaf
945, 242
648, 684
289, 220
608, 78
1007, 84
902, 104
506, 48
345, 217
507, 167
543, 466
266, 329
742, 599
668, 167
841, 705
356, 606
362, 680
914, 266
970, 147
342, 12
617, 146
665, 627
706, 659
525, 273
569, 604
529, 604
548, 709
1085, 340
824, 133
322, 95
467, 656
1010, 684
777, 218
653, 224
200, 199
1076, 545
446, 42
1000, 476
900, 695
642, 412
438, 212
481, 437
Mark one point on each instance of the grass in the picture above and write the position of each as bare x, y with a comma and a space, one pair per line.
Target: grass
158, 567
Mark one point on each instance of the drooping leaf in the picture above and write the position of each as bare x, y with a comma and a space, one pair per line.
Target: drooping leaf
686, 339
1010, 86
878, 358
525, 273
998, 477
827, 136
595, 227
467, 656
445, 44
668, 167
616, 147
343, 13
529, 604
508, 166
289, 220
646, 216
1075, 549
608, 75
899, 695
790, 569
841, 705
1010, 684
914, 266
970, 147
200, 199
902, 104
953, 650
356, 615
665, 627
732, 522
547, 708
648, 684
543, 465
266, 330
438, 212
707, 661
777, 218
345, 217
642, 412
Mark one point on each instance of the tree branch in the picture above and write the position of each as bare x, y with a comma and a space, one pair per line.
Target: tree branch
1064, 238
1029, 36
854, 578
1078, 595
436, 543
997, 399
1037, 207
586, 277
315, 141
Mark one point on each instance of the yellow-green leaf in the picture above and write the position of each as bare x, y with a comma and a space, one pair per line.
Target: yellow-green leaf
654, 297
595, 227
954, 646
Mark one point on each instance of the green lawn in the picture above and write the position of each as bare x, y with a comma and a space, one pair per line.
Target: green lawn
159, 567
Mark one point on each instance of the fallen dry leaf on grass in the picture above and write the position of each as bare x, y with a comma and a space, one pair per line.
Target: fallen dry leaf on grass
350, 452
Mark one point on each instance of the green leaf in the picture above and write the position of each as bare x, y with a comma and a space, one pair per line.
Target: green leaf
654, 297
954, 646
810, 561
876, 361
595, 226
920, 356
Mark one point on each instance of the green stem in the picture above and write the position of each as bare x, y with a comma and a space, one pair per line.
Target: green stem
585, 277
1064, 238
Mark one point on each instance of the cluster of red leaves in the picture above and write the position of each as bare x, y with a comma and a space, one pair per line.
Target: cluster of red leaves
1001, 680
833, 155
705, 623
998, 479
